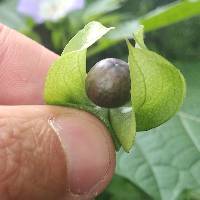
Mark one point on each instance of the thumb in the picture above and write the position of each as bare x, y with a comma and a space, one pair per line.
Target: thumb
49, 152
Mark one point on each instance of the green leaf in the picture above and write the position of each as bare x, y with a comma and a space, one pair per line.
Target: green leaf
157, 87
122, 189
158, 18
123, 123
157, 92
113, 18
139, 37
166, 161
170, 14
100, 8
86, 37
65, 82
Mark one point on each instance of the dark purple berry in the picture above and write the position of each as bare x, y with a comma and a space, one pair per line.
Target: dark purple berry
108, 83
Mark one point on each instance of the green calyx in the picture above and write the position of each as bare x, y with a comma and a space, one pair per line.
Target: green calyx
157, 87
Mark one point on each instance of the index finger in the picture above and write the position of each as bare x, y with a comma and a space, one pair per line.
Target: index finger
23, 68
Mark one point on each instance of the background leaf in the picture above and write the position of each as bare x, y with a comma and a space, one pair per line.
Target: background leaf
170, 14
122, 189
166, 161
100, 8
158, 18
155, 19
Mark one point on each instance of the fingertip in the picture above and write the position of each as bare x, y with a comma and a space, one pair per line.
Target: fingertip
90, 153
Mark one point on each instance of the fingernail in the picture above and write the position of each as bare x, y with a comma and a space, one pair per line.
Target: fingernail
87, 151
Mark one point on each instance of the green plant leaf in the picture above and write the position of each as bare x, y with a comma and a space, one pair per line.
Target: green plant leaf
157, 92
65, 82
166, 161
123, 123
100, 8
139, 37
157, 87
92, 32
158, 18
170, 14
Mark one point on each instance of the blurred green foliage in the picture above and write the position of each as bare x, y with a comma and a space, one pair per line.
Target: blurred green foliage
178, 41
189, 194
122, 189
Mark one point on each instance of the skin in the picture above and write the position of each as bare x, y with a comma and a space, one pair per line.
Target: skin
46, 152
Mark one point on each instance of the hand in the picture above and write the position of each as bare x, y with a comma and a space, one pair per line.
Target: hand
46, 152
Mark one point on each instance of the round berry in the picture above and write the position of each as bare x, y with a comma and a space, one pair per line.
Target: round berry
108, 83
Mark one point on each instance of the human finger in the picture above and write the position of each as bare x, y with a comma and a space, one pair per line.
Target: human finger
49, 152
23, 68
